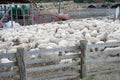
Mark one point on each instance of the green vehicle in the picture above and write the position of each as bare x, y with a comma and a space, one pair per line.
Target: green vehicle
20, 11
90, 1
79, 1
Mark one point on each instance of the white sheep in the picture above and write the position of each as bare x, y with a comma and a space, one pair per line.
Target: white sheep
42, 46
67, 60
102, 48
24, 40
94, 33
34, 56
13, 50
63, 43
112, 54
53, 35
33, 44
88, 38
102, 36
25, 46
6, 60
94, 40
96, 49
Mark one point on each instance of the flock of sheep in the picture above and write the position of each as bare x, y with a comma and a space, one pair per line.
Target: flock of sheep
59, 34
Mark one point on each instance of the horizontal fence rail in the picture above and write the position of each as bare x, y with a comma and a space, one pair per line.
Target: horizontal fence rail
9, 55
109, 44
105, 71
10, 73
55, 75
7, 65
52, 67
52, 50
114, 59
51, 59
107, 52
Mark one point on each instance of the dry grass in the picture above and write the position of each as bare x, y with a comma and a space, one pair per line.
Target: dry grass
104, 67
111, 76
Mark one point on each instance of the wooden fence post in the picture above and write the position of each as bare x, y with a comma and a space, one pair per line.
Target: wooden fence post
11, 14
20, 63
83, 47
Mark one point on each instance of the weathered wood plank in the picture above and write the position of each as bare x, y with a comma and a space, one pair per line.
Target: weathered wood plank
109, 44
20, 63
8, 55
52, 67
83, 47
10, 73
103, 72
93, 61
43, 51
3, 65
54, 75
51, 59
107, 52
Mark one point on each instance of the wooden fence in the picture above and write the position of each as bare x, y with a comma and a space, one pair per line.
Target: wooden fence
51, 67
105, 55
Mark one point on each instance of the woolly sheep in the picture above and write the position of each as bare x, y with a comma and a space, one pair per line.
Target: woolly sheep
84, 30
24, 40
94, 40
5, 60
71, 31
59, 35
25, 46
102, 36
63, 43
94, 33
33, 56
13, 50
102, 48
67, 60
42, 46
33, 45
88, 38
112, 55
